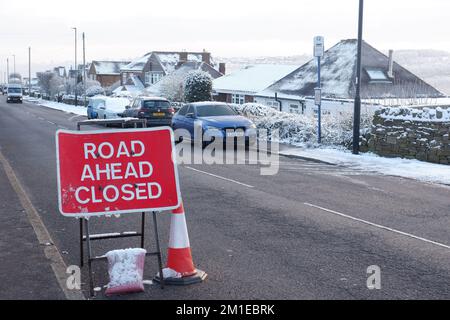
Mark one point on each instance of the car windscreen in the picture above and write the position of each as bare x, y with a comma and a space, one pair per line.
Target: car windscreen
214, 111
14, 90
151, 104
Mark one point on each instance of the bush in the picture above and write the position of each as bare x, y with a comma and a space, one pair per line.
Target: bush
94, 90
301, 129
198, 86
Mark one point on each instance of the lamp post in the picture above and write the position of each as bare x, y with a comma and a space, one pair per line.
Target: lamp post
357, 108
29, 71
7, 70
14, 57
76, 67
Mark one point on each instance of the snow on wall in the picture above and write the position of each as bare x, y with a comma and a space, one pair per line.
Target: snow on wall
439, 114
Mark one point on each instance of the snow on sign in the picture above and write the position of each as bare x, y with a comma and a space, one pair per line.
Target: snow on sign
116, 171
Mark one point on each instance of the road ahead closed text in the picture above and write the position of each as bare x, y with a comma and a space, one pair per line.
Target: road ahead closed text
116, 171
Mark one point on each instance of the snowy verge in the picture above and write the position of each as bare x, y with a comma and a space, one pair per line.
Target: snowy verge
79, 110
414, 169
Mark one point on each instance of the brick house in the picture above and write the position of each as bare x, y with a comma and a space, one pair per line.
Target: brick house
153, 66
106, 72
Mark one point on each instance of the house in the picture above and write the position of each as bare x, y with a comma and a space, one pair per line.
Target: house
60, 71
106, 72
155, 65
240, 87
381, 79
177, 77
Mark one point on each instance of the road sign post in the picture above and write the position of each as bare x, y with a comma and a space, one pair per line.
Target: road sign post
319, 50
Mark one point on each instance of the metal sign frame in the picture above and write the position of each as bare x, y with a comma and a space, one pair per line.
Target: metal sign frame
87, 237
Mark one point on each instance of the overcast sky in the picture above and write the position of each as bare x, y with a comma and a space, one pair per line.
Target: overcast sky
124, 29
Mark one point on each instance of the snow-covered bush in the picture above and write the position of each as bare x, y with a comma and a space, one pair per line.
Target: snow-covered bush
198, 86
172, 87
94, 90
299, 129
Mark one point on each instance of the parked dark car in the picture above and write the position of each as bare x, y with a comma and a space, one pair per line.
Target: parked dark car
218, 121
156, 111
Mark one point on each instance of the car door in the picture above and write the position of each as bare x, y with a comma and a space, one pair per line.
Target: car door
189, 120
178, 118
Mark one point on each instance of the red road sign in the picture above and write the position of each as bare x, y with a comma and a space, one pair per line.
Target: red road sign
116, 171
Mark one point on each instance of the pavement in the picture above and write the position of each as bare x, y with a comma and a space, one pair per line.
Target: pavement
308, 232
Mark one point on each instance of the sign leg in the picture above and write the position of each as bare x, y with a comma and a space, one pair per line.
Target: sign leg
81, 243
88, 245
143, 231
158, 250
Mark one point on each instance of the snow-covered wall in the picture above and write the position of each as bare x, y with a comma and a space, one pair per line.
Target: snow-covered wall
421, 134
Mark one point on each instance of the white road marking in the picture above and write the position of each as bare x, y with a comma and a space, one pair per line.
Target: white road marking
220, 177
379, 226
62, 127
75, 116
51, 122
43, 236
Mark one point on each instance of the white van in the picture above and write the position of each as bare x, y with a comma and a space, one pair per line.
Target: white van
14, 93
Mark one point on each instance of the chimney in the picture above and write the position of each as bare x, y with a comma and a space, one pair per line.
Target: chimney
183, 56
391, 64
222, 68
206, 57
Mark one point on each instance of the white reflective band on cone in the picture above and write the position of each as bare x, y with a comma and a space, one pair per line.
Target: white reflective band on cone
179, 238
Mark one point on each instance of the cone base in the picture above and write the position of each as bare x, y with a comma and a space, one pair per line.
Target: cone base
184, 281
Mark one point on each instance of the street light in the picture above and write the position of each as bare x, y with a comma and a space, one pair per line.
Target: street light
14, 56
319, 49
357, 109
76, 68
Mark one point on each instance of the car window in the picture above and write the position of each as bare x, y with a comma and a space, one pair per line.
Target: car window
183, 110
136, 104
214, 111
14, 90
190, 110
149, 104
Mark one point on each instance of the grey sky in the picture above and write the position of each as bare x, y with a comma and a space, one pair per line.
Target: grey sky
124, 29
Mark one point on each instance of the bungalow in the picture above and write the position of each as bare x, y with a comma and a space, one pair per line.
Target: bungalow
381, 80
106, 72
240, 87
153, 66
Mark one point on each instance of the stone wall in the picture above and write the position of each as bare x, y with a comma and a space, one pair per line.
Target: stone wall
421, 134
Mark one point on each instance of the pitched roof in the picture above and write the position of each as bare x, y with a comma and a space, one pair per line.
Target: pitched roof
108, 67
182, 71
252, 78
169, 60
338, 73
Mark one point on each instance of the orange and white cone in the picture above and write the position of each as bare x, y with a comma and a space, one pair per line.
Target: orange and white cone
180, 266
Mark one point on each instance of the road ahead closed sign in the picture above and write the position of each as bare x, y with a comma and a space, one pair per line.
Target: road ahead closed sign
116, 171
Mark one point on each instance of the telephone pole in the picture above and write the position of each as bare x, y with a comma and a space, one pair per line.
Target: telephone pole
84, 69
7, 70
357, 108
29, 71
76, 67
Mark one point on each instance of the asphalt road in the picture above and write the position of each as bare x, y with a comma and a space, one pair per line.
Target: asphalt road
309, 232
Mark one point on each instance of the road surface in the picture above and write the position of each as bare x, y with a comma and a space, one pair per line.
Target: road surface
309, 232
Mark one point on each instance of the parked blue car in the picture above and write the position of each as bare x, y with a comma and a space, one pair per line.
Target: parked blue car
217, 120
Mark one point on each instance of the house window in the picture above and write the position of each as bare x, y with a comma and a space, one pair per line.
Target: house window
377, 75
237, 98
152, 77
294, 108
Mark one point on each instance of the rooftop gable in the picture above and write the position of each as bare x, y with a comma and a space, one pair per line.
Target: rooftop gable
338, 73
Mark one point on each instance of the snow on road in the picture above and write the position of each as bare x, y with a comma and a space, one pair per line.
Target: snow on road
79, 110
415, 169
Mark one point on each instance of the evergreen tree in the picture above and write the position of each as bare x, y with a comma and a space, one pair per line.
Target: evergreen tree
198, 86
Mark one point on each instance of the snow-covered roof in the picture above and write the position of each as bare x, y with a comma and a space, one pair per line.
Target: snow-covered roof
252, 79
109, 67
181, 72
338, 74
169, 60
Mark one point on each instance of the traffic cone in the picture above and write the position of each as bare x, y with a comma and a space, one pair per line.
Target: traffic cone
180, 268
